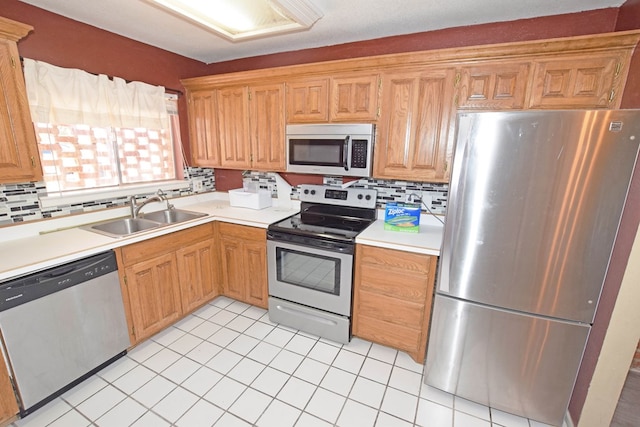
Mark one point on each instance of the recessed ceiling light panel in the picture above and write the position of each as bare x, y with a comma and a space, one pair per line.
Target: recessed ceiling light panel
246, 19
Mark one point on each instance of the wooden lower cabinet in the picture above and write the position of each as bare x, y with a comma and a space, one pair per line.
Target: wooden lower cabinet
393, 291
154, 294
166, 277
8, 402
243, 263
196, 273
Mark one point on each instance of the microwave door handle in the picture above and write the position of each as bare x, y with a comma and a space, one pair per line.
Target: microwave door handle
346, 153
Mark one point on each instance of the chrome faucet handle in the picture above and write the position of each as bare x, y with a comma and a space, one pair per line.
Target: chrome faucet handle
164, 197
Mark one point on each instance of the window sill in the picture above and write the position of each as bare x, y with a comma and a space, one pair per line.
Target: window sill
82, 196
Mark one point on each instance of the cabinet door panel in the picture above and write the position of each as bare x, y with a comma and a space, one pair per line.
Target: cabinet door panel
256, 273
413, 132
578, 81
154, 296
493, 86
354, 98
232, 268
203, 128
19, 159
195, 269
267, 127
233, 111
8, 403
308, 101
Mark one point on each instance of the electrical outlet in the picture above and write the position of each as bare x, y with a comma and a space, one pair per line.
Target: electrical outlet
198, 186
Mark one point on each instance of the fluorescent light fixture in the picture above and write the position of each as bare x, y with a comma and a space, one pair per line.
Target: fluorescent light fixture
245, 19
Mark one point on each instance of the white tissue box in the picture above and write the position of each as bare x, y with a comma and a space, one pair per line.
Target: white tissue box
245, 199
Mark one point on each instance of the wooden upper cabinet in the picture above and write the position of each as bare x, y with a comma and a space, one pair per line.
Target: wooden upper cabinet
233, 125
578, 81
492, 86
308, 101
266, 117
19, 159
414, 124
203, 128
354, 98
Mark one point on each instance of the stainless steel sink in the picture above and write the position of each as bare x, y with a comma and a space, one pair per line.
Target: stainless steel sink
171, 216
122, 227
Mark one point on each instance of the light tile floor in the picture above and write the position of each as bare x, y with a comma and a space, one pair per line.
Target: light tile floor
227, 365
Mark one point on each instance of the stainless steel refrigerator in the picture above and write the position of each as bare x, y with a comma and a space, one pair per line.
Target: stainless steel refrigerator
534, 205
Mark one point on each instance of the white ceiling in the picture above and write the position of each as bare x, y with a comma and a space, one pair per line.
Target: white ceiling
343, 21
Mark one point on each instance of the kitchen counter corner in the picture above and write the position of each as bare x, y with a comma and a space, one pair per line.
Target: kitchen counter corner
427, 241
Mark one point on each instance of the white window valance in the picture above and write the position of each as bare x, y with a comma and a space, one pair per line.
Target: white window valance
71, 96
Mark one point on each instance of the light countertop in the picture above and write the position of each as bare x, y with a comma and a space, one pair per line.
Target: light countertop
32, 247
426, 241
42, 244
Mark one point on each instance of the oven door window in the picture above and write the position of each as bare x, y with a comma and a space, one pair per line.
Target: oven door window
317, 272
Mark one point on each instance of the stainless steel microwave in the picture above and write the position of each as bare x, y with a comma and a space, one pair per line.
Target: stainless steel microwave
330, 149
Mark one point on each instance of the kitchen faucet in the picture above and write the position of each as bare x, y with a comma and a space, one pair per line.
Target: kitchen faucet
160, 197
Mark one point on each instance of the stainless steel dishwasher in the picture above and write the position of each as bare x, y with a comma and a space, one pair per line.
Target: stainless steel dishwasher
61, 325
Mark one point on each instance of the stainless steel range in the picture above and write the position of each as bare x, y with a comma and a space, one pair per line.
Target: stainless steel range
310, 260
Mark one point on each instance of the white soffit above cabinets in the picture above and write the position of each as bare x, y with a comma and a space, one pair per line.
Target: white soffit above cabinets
342, 21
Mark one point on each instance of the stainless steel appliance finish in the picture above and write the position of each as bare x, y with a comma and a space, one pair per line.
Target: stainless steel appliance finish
61, 325
534, 207
330, 149
310, 260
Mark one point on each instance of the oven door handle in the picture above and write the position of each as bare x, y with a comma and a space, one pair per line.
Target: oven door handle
316, 319
345, 153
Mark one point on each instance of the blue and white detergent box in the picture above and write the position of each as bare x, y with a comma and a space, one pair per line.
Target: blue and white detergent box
402, 217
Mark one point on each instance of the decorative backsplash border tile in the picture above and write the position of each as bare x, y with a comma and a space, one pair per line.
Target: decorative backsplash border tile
20, 202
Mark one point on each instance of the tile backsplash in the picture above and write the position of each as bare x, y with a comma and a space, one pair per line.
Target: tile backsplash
20, 202
388, 191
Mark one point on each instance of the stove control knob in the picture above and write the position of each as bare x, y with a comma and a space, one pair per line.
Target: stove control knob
313, 192
359, 196
306, 191
367, 197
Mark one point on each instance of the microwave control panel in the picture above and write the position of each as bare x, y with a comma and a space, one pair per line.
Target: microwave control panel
359, 153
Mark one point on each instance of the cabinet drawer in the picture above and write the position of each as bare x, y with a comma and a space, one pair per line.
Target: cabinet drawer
242, 231
400, 285
137, 252
396, 336
394, 259
390, 309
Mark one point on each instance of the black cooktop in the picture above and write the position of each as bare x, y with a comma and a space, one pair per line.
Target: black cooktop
330, 213
325, 226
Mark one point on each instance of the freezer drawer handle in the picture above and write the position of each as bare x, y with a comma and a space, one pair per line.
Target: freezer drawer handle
307, 315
